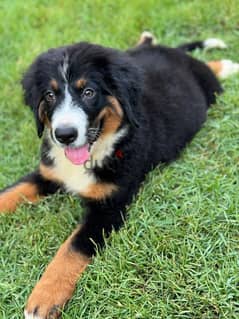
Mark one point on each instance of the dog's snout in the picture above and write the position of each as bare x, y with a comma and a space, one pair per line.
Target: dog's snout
66, 135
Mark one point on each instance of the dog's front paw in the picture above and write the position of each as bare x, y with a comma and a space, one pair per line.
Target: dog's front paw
48, 298
57, 284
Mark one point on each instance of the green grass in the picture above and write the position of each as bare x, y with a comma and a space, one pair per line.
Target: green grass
177, 257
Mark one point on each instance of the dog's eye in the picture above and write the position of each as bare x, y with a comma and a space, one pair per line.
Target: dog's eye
50, 97
88, 93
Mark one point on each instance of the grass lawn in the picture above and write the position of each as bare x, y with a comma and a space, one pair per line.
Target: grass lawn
177, 257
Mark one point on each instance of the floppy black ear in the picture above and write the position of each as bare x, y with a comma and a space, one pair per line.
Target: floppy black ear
127, 81
32, 96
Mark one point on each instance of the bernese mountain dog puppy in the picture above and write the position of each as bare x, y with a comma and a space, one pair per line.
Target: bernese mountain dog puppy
107, 118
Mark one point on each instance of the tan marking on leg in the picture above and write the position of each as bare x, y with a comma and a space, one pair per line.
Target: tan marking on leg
80, 83
58, 282
215, 66
99, 191
11, 198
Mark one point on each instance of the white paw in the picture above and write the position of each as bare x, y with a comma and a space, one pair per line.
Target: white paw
28, 315
228, 68
214, 43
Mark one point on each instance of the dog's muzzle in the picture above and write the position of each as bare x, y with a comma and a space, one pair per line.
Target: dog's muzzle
66, 135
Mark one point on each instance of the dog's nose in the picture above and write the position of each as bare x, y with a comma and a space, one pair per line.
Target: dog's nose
66, 135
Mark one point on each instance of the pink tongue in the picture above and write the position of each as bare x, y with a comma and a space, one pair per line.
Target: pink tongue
78, 155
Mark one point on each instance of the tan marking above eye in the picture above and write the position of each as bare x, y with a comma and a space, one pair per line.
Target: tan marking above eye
54, 85
80, 83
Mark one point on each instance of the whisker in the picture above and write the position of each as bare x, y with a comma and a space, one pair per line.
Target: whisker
93, 134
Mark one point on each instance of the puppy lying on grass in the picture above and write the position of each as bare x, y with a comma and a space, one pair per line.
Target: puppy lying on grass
107, 118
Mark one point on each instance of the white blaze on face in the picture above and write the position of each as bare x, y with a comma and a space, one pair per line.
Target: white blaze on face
68, 114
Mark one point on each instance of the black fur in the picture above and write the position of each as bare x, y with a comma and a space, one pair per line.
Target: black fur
188, 47
164, 94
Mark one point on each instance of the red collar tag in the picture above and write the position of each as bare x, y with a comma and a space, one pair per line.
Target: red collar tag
119, 154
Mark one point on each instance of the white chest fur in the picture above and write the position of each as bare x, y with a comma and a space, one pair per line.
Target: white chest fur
105, 146
76, 178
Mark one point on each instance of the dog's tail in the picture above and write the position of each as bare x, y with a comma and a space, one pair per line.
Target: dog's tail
221, 68
208, 44
147, 38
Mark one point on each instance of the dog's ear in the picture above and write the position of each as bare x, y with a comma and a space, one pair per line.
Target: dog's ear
127, 87
33, 97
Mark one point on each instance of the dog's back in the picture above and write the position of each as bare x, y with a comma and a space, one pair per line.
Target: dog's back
178, 90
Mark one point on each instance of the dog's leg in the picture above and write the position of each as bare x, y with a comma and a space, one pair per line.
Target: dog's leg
223, 68
29, 189
58, 282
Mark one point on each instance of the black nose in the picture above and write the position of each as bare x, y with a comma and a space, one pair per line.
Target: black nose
66, 135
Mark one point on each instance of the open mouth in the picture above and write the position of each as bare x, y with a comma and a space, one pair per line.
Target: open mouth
79, 155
